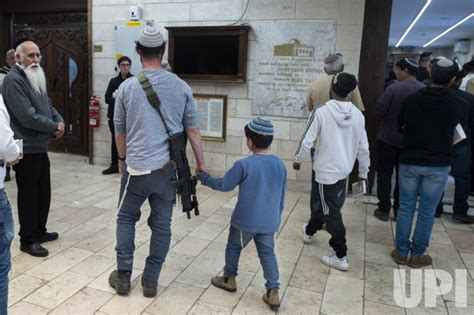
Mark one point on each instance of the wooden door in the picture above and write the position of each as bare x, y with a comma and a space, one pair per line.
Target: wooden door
62, 39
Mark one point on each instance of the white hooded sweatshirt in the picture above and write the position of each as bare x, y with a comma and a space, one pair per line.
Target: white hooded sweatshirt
9, 151
339, 129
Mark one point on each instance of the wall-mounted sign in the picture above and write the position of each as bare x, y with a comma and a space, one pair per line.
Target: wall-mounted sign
289, 55
212, 112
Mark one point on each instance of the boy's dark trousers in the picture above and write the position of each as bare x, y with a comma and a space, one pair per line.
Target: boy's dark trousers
331, 199
387, 160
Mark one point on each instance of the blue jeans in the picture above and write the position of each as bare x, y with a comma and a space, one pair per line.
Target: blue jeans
429, 183
155, 187
265, 243
6, 237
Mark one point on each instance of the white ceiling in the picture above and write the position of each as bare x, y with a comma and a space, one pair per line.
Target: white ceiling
440, 15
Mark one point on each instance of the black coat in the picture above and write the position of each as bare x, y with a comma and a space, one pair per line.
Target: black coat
113, 86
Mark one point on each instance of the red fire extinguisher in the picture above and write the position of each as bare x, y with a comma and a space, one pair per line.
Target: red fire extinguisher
94, 112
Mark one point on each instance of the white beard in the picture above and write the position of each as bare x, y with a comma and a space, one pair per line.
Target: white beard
36, 78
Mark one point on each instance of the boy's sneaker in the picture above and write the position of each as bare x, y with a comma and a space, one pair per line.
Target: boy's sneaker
225, 283
307, 239
272, 299
120, 281
150, 289
336, 262
423, 261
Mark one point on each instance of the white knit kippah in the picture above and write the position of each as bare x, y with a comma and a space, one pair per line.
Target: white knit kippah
150, 37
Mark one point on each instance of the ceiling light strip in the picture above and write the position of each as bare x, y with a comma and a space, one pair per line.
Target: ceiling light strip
427, 3
449, 30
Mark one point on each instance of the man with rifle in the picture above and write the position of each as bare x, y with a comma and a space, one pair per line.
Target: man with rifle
154, 113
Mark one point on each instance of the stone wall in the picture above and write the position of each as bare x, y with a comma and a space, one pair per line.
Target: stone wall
220, 156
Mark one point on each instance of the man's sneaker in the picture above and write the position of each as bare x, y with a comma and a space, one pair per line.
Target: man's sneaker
336, 262
307, 239
48, 237
380, 215
113, 169
225, 283
466, 218
399, 259
120, 281
423, 261
272, 299
150, 289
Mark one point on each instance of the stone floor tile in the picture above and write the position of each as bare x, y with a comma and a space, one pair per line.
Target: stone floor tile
188, 225
310, 274
343, 295
379, 284
372, 308
58, 290
286, 269
297, 301
379, 254
219, 219
252, 303
450, 224
178, 261
97, 241
192, 246
134, 303
178, 298
288, 250
21, 286
24, 262
200, 272
102, 282
454, 310
468, 260
86, 301
380, 235
440, 237
231, 203
208, 308
463, 240
24, 308
58, 264
94, 265
167, 276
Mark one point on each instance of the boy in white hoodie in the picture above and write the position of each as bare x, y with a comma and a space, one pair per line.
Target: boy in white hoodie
339, 128
9, 152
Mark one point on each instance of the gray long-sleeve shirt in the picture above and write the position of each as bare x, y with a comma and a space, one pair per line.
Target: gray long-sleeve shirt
147, 141
33, 119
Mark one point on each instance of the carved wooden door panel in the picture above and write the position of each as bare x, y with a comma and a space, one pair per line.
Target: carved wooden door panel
62, 39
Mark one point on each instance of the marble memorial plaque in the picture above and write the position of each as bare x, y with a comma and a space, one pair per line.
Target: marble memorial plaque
289, 55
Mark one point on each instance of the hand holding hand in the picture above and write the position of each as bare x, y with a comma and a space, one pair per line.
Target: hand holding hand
296, 166
201, 169
59, 132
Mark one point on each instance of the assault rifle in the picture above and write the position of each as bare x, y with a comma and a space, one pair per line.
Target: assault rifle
186, 183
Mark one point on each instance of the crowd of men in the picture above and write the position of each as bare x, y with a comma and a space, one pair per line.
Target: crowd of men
422, 113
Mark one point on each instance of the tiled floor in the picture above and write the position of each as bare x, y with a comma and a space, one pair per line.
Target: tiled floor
73, 279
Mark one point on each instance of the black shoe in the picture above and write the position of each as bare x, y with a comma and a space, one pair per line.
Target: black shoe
120, 281
48, 237
380, 215
150, 289
464, 218
34, 249
113, 169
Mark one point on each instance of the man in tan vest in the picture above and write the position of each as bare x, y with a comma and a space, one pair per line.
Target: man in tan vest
318, 92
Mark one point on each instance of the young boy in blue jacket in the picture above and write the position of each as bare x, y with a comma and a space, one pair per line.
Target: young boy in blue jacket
261, 178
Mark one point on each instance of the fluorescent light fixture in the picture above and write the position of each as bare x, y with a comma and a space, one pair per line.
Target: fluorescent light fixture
427, 3
449, 30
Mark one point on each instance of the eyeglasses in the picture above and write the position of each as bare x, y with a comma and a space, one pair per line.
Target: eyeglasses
125, 65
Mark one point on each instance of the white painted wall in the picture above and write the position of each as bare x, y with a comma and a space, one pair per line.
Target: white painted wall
349, 15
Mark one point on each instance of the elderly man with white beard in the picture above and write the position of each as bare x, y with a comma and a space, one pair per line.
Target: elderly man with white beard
34, 120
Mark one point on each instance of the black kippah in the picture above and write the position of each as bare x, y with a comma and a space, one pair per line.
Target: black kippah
343, 83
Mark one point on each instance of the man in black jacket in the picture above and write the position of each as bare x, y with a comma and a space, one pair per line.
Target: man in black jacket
124, 64
428, 118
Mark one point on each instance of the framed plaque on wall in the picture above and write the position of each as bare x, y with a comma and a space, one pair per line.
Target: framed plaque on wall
212, 112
